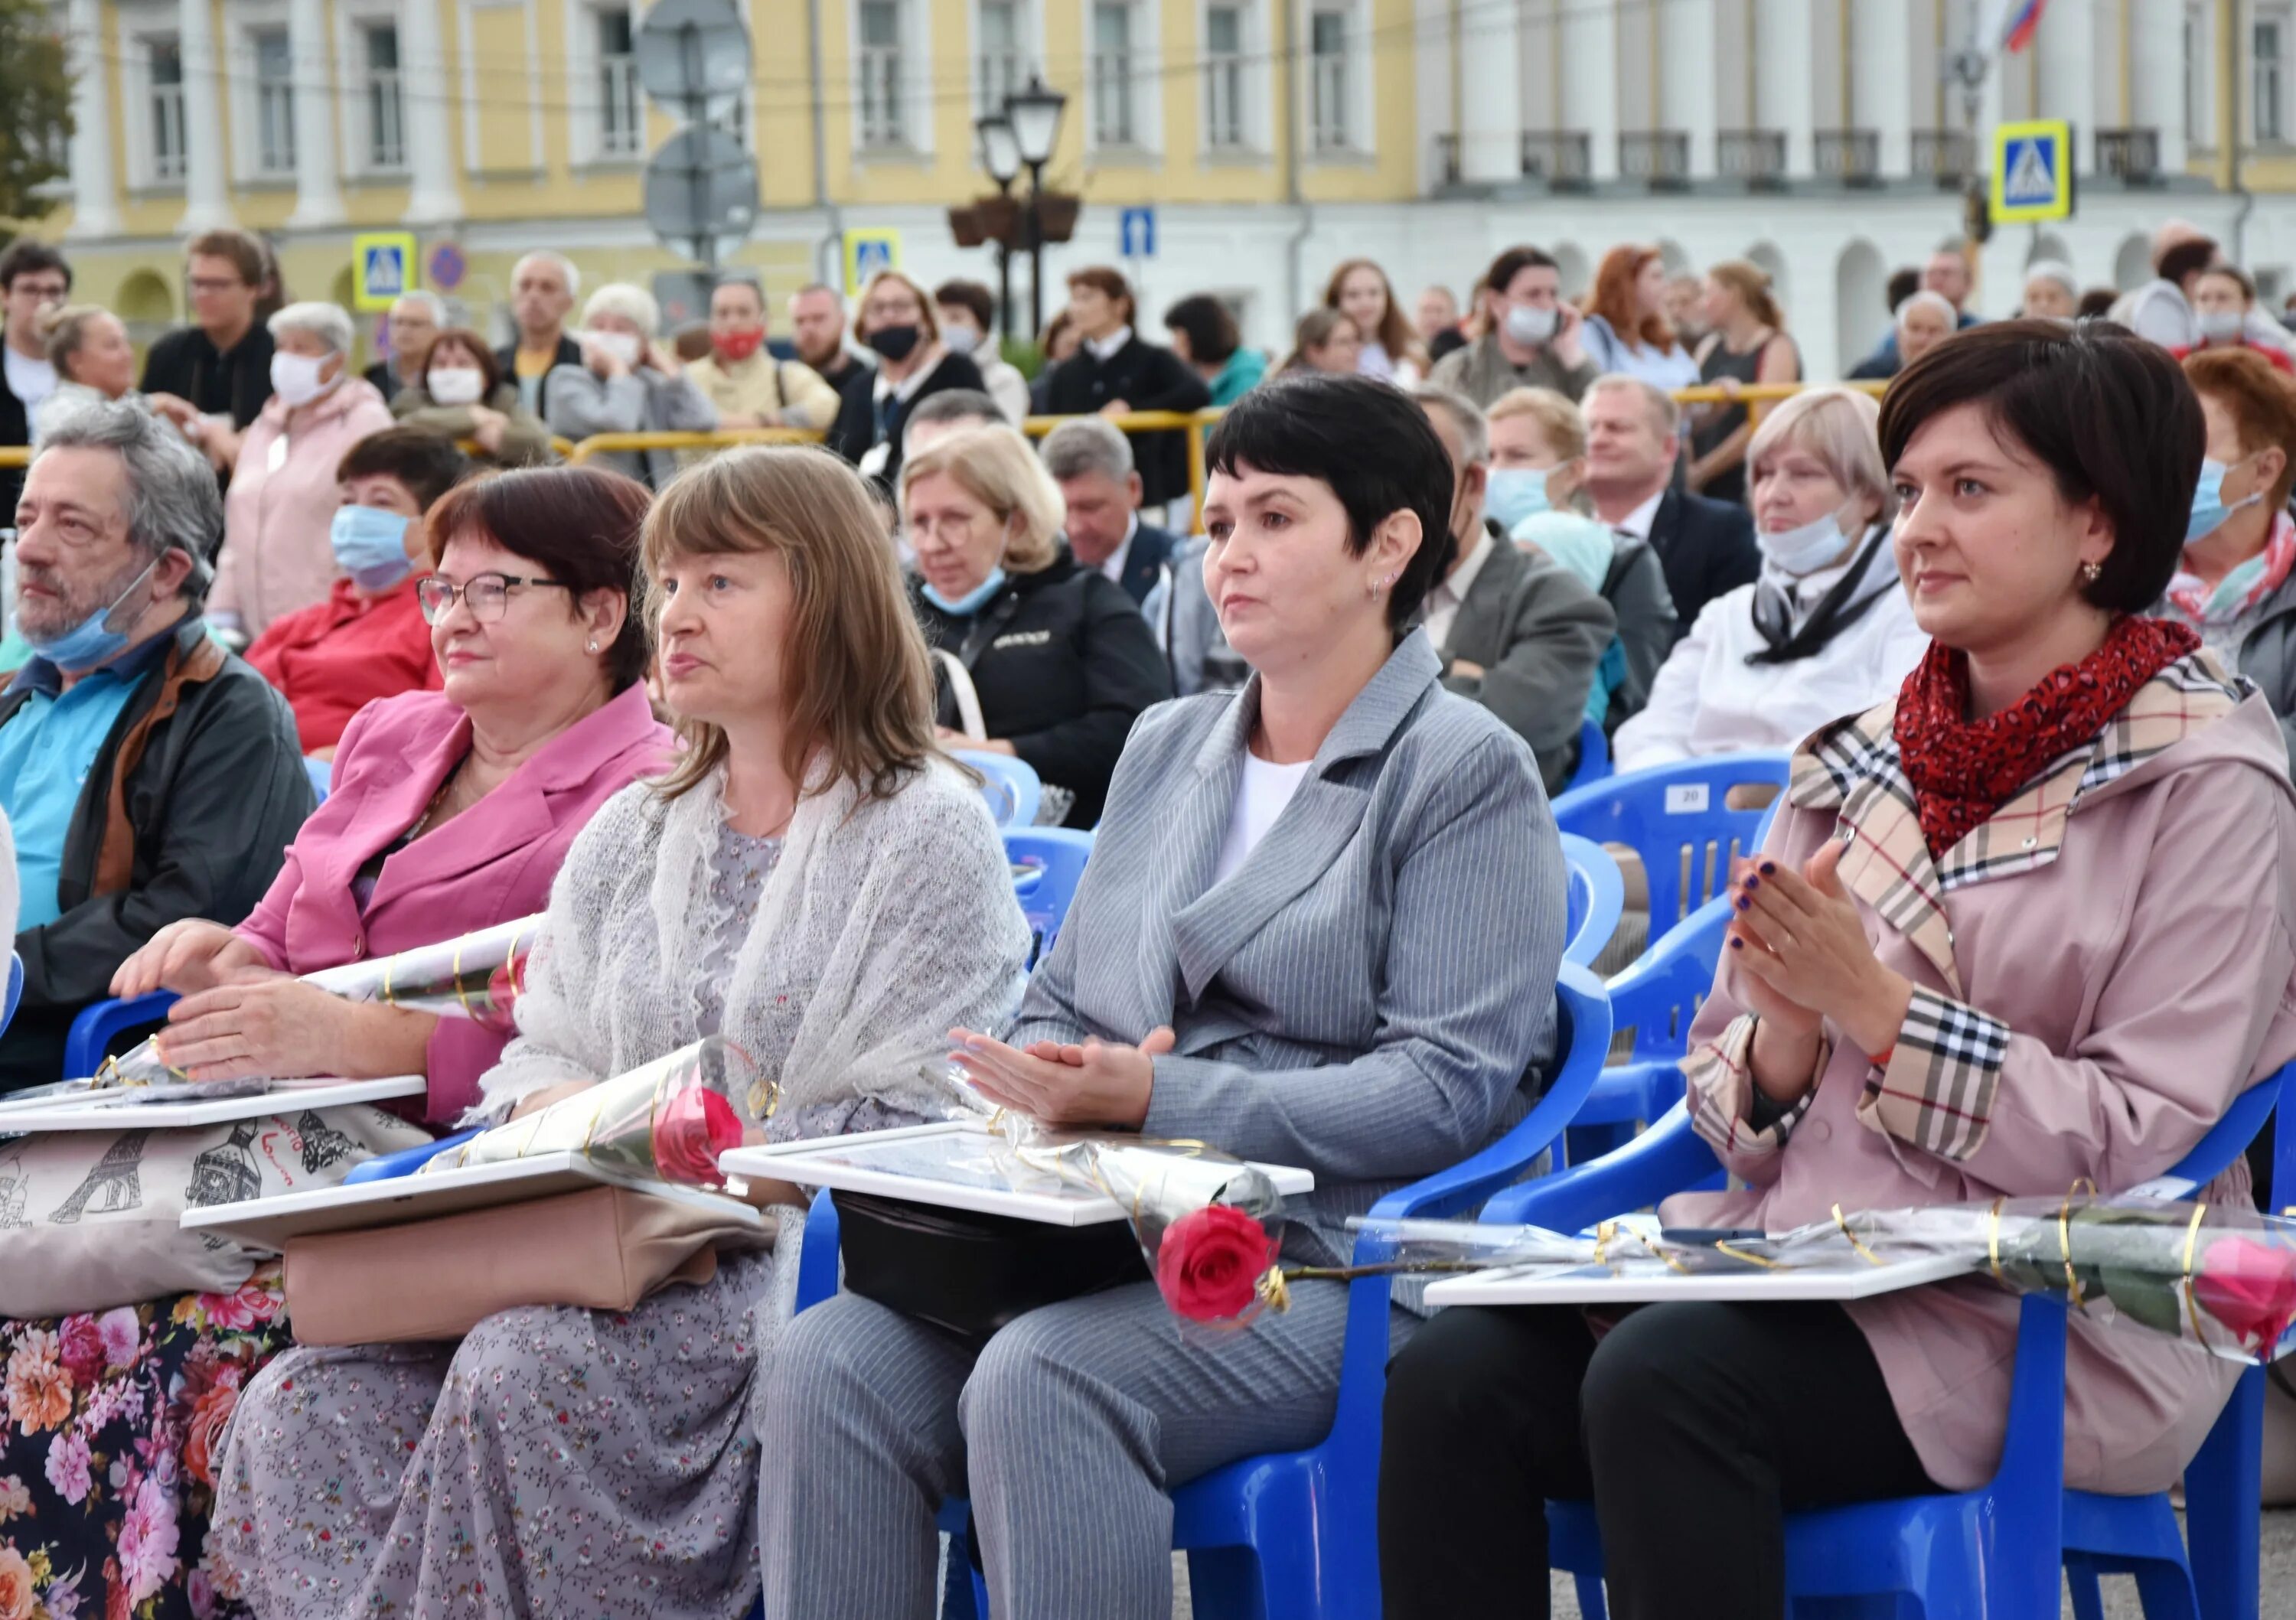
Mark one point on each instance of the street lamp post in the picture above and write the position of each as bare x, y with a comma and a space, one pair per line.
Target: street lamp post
1033, 115
1000, 155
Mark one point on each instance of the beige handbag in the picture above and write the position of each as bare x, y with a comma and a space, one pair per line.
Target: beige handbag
604, 1247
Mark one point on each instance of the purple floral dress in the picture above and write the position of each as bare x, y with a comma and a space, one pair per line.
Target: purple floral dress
115, 1423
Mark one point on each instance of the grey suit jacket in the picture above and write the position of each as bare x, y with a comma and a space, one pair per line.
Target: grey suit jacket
1538, 637
1372, 994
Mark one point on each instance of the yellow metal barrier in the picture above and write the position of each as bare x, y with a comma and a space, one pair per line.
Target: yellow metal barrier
600, 443
15, 455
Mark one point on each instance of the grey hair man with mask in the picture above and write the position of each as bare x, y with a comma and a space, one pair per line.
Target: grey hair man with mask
147, 774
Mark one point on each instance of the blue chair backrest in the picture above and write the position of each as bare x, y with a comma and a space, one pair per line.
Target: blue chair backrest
1598, 895
1677, 818
1660, 993
322, 772
1047, 863
15, 989
1011, 786
1594, 756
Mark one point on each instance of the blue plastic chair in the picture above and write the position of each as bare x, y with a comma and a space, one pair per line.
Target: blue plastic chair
100, 1023
1294, 1536
1996, 1549
1047, 864
1677, 818
322, 772
15, 990
1594, 756
1656, 997
1598, 895
406, 1161
1011, 788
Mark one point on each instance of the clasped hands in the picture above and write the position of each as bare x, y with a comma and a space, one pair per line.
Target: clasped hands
1797, 955
1100, 1084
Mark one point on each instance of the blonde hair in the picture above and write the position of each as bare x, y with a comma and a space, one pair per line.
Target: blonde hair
928, 322
996, 467
855, 669
1752, 283
1565, 430
1841, 428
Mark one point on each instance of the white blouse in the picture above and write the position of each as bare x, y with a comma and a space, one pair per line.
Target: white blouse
1708, 700
1259, 798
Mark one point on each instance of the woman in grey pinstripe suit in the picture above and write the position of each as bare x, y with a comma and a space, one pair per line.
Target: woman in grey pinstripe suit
1321, 927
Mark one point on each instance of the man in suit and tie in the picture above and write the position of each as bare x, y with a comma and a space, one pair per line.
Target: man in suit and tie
1092, 463
1705, 547
1516, 630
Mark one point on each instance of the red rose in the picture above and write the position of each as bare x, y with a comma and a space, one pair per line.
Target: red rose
82, 1347
692, 1128
1209, 1264
2251, 1288
203, 1437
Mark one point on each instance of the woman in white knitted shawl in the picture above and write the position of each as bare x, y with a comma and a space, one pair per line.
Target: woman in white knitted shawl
564, 1462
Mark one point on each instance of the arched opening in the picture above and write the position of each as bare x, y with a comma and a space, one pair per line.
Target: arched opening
1677, 262
1861, 302
2050, 247
2132, 263
1772, 264
1577, 277
145, 305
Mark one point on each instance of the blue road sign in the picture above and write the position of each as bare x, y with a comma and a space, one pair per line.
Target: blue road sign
2033, 170
1136, 231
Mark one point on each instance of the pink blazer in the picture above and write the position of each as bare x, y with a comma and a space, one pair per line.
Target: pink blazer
492, 864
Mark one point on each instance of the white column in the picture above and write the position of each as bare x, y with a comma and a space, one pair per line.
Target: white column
2157, 79
207, 196
318, 192
432, 199
2067, 74
1490, 93
1688, 49
1793, 77
95, 210
1881, 79
1590, 80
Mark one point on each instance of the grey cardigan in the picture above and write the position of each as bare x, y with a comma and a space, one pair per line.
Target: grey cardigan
642, 400
1538, 637
1370, 996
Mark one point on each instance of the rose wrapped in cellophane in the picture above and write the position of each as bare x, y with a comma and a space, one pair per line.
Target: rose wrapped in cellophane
667, 1120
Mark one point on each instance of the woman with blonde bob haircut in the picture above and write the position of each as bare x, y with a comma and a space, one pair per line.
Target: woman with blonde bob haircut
1826, 631
793, 885
1037, 657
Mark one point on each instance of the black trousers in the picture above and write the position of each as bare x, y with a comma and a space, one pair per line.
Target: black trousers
1694, 1427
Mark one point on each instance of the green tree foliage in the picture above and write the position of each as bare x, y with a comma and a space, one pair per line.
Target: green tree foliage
34, 110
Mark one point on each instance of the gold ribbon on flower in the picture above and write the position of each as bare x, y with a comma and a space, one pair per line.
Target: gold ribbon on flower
1864, 1253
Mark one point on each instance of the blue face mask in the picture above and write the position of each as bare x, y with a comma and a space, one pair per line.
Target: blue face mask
371, 545
95, 640
973, 600
2209, 508
1514, 494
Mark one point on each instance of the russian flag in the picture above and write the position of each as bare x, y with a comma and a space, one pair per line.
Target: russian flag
2021, 26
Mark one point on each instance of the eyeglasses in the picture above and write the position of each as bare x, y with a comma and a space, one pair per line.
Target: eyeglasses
485, 594
209, 283
46, 292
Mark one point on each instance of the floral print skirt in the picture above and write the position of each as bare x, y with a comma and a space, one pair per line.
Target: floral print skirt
115, 1422
556, 1461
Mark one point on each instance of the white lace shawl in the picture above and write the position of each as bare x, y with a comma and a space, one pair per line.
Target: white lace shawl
881, 928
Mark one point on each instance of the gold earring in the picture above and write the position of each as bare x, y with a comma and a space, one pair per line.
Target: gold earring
2091, 572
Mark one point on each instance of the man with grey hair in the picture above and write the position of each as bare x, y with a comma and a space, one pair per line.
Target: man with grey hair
543, 287
148, 775
1705, 547
1092, 463
413, 319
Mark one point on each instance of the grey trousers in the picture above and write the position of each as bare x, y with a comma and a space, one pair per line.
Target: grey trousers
1069, 1429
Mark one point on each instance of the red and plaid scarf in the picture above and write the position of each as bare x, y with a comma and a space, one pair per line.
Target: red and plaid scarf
1964, 770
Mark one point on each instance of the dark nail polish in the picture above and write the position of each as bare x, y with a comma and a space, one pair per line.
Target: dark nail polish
1770, 869
1743, 903
1736, 944
1752, 882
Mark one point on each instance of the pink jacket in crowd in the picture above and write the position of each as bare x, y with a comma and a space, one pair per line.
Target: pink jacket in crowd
492, 864
276, 556
2098, 972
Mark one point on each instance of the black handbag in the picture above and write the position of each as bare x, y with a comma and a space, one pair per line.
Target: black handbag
971, 1273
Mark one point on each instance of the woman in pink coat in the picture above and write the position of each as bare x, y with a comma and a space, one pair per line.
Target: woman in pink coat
449, 811
276, 557
2027, 925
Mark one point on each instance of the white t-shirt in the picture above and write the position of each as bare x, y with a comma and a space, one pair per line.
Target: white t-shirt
28, 379
1260, 800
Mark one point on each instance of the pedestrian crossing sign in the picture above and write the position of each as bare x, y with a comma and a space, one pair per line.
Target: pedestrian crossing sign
867, 253
2033, 170
382, 266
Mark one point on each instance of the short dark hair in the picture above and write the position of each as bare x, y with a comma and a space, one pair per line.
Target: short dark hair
1512, 263
23, 257
2109, 415
2238, 277
973, 297
423, 459
580, 524
1212, 336
1367, 440
473, 345
955, 405
1902, 285
2186, 258
249, 254
2095, 302
1109, 280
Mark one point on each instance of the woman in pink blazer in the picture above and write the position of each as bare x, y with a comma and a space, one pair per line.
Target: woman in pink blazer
2025, 926
449, 811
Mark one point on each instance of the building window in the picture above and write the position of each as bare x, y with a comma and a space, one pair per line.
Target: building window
2268, 108
884, 121
621, 105
1003, 64
1224, 124
166, 64
274, 104
1328, 86
1112, 75
385, 125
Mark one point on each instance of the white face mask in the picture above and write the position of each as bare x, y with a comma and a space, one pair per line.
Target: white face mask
1528, 323
456, 385
2221, 325
1806, 548
959, 339
295, 378
621, 345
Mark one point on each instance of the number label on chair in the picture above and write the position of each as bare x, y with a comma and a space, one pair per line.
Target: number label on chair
1686, 798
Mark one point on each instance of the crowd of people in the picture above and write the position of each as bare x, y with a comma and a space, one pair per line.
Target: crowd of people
313, 665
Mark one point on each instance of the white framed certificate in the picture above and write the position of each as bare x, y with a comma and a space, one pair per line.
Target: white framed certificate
117, 1107
1646, 1281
